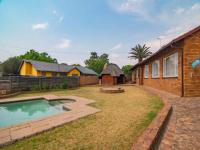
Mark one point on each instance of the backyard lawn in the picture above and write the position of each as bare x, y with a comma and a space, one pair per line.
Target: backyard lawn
122, 119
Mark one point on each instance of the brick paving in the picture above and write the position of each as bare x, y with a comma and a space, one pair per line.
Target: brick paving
183, 129
78, 109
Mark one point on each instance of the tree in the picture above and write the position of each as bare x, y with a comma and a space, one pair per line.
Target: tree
127, 69
11, 66
93, 55
34, 55
96, 62
140, 52
75, 65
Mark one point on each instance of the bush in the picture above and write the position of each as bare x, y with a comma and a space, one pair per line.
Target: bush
45, 87
35, 88
64, 85
10, 66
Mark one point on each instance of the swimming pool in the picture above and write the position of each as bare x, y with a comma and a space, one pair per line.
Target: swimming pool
19, 112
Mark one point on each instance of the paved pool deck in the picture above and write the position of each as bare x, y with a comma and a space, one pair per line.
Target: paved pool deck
78, 109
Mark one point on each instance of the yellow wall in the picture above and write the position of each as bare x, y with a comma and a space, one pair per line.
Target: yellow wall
28, 70
74, 71
23, 69
48, 74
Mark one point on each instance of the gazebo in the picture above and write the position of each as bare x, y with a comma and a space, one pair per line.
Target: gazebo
112, 75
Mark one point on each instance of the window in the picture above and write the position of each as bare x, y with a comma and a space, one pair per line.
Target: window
146, 71
170, 66
156, 69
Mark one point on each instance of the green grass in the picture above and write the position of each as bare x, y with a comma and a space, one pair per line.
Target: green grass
123, 118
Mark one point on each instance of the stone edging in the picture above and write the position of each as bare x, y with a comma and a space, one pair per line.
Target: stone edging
78, 109
111, 90
150, 138
9, 95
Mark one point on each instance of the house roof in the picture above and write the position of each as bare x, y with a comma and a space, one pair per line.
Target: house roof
174, 41
112, 69
54, 67
85, 70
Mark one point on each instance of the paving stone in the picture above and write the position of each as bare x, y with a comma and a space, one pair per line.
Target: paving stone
183, 130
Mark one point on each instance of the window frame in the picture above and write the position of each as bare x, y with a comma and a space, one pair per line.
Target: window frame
176, 66
146, 71
152, 70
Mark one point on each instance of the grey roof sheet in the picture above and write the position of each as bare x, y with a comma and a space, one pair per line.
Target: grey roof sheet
85, 70
54, 67
112, 69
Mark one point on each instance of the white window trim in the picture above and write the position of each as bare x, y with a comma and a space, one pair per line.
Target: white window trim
146, 76
156, 76
176, 68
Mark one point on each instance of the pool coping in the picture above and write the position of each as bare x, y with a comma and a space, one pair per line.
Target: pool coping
78, 109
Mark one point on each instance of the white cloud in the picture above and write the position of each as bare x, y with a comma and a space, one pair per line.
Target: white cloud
40, 26
61, 19
118, 46
114, 58
180, 22
64, 44
179, 10
54, 12
114, 55
138, 8
196, 6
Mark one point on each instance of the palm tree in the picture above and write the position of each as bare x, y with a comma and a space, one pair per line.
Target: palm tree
139, 52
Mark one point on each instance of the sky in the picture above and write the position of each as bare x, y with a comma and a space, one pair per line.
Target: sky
70, 29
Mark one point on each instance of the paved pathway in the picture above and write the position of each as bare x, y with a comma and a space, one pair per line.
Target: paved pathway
183, 130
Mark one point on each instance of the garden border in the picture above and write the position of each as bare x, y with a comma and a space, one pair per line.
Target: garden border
150, 138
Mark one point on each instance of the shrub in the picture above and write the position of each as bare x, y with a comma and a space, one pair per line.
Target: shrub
35, 88
64, 85
45, 87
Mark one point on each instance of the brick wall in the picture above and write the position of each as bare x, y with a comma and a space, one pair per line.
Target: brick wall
89, 80
187, 84
191, 75
171, 84
108, 80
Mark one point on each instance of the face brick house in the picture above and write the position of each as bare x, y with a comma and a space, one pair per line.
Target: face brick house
174, 68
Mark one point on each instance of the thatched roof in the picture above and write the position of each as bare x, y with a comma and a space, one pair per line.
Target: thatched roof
112, 69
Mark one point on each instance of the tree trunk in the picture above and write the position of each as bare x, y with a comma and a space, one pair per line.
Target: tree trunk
139, 60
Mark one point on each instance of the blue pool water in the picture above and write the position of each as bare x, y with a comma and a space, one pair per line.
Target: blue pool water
19, 112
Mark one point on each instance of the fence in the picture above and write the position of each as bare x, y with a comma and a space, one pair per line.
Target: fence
11, 84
